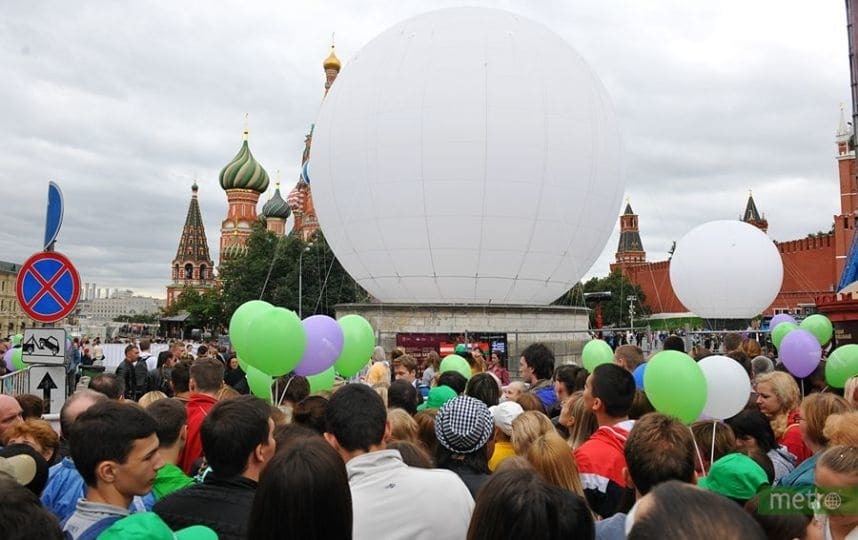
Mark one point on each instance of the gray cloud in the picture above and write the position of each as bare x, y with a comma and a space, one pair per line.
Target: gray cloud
125, 104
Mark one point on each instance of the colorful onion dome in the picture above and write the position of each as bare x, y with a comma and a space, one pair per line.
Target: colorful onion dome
332, 62
244, 172
234, 251
276, 207
296, 197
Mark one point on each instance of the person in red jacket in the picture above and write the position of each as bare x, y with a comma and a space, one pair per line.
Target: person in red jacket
609, 393
206, 380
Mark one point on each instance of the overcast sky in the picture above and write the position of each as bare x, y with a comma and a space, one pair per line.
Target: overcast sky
125, 103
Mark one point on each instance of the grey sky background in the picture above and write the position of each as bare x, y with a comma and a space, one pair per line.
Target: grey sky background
124, 104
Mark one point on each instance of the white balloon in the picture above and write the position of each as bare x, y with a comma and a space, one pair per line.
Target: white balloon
726, 270
727, 384
467, 155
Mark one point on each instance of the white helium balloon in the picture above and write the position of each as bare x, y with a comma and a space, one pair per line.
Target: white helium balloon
728, 386
467, 155
726, 270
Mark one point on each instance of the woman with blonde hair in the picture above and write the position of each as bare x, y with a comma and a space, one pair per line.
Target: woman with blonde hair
815, 410
402, 426
837, 471
550, 456
842, 429
778, 398
850, 391
151, 397
526, 428
578, 420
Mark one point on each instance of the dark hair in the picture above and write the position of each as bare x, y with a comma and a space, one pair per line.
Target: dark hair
303, 493
412, 455
540, 359
426, 429
181, 376
780, 525
615, 387
732, 342
65, 420
659, 448
476, 462
742, 359
310, 412
290, 387
22, 516
763, 460
231, 432
171, 416
484, 387
108, 384
356, 417
641, 405
753, 423
288, 434
454, 380
674, 343
107, 432
202, 350
514, 503
31, 406
163, 356
571, 376
403, 395
207, 373
128, 348
704, 515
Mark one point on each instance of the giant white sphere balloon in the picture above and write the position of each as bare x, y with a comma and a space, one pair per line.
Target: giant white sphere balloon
726, 270
467, 155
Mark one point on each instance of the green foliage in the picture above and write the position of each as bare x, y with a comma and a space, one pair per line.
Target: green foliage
615, 312
324, 282
206, 310
138, 318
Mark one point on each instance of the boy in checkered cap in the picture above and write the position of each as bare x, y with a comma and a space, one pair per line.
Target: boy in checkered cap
464, 427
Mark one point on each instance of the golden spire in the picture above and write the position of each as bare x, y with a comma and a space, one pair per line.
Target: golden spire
332, 62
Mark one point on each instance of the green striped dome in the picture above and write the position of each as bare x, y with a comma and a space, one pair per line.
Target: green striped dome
276, 207
244, 172
234, 251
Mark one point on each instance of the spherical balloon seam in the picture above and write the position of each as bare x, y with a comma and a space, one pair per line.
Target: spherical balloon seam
675, 385
715, 256
727, 385
460, 68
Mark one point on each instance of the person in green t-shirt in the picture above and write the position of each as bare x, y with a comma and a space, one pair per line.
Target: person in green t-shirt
172, 419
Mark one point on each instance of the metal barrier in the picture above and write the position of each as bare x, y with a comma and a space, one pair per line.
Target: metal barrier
15, 383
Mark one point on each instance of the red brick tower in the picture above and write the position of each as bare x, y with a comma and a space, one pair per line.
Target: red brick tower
630, 249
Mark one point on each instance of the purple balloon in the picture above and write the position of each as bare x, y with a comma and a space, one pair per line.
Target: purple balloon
779, 318
324, 345
800, 352
7, 357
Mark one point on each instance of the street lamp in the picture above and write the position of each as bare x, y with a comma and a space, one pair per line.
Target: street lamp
631, 298
301, 278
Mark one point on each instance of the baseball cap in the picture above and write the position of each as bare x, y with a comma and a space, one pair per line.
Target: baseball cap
735, 476
438, 396
148, 526
504, 413
25, 465
464, 425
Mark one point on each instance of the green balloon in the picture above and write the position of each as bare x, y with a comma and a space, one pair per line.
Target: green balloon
675, 385
242, 364
780, 332
820, 326
321, 381
842, 364
596, 352
18, 359
259, 383
17, 338
276, 342
358, 344
239, 324
454, 362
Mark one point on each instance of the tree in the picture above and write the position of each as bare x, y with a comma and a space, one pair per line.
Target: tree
279, 270
206, 310
615, 312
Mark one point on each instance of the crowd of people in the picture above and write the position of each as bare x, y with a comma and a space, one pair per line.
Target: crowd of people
182, 448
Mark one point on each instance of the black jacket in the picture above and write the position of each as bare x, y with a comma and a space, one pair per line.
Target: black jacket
136, 378
221, 504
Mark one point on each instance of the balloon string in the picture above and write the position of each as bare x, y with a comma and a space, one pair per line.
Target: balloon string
697, 449
270, 268
712, 452
802, 389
